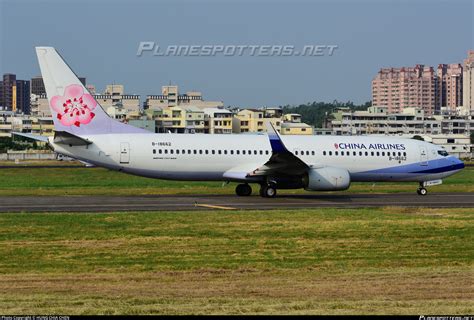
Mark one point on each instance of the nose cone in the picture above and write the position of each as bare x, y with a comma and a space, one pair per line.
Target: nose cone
460, 164
456, 163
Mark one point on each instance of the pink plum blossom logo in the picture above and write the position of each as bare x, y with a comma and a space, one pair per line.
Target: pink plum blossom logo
336, 145
74, 107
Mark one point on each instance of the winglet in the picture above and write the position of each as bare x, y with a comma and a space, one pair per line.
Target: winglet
275, 139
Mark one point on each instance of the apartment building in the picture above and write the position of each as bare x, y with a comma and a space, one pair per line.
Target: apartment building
170, 97
179, 119
468, 84
39, 105
399, 88
127, 102
15, 94
450, 82
218, 120
412, 121
255, 120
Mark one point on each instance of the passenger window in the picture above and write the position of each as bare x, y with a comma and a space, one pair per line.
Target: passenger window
225, 151
154, 151
200, 151
330, 153
166, 151
261, 152
195, 151
177, 151
378, 153
324, 153
399, 154
354, 153
237, 151
312, 153
296, 152
219, 151
372, 153
360, 153
171, 151
404, 154
243, 151
366, 153
342, 153
383, 154
336, 153
255, 152
206, 151
213, 151
183, 151
307, 153
159, 151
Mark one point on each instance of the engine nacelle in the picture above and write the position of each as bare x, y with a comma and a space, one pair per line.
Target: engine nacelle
327, 179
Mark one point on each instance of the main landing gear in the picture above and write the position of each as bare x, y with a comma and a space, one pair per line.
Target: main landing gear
243, 190
268, 191
422, 190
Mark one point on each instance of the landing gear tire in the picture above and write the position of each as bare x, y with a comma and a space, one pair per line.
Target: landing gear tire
422, 191
243, 190
268, 191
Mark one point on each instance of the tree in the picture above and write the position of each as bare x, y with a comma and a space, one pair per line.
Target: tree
314, 113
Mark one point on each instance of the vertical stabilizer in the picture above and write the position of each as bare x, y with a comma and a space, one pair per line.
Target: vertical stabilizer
73, 108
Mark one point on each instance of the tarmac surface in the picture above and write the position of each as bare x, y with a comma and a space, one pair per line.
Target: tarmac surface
229, 202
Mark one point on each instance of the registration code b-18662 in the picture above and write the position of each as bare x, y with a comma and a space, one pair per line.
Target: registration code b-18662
398, 158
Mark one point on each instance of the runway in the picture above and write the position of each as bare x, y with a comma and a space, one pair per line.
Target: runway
229, 202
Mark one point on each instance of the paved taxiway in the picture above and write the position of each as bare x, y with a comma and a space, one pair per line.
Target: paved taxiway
229, 202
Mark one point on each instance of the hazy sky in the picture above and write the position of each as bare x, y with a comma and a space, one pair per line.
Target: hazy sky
99, 40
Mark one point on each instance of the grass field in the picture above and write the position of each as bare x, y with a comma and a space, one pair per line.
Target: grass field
98, 181
329, 261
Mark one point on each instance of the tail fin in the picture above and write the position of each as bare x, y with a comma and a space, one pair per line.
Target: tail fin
73, 108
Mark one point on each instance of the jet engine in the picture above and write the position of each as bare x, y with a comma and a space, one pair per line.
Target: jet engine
326, 179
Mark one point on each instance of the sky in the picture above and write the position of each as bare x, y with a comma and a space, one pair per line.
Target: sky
99, 39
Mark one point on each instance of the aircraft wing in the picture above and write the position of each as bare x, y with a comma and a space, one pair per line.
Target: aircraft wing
282, 161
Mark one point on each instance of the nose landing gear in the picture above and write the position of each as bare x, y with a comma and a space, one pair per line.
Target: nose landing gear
422, 190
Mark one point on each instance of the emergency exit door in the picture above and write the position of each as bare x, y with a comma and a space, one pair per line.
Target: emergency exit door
124, 152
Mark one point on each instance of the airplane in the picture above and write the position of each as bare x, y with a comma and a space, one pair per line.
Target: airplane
84, 131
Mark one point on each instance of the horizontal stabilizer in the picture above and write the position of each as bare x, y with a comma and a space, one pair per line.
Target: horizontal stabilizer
63, 137
31, 136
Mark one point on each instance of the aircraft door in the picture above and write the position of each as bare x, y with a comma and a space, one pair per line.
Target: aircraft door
124, 152
423, 156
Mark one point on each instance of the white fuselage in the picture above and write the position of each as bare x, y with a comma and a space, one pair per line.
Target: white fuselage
230, 157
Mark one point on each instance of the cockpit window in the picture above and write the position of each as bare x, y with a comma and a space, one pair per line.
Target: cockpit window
443, 153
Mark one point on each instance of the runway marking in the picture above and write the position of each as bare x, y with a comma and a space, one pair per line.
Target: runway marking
213, 206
